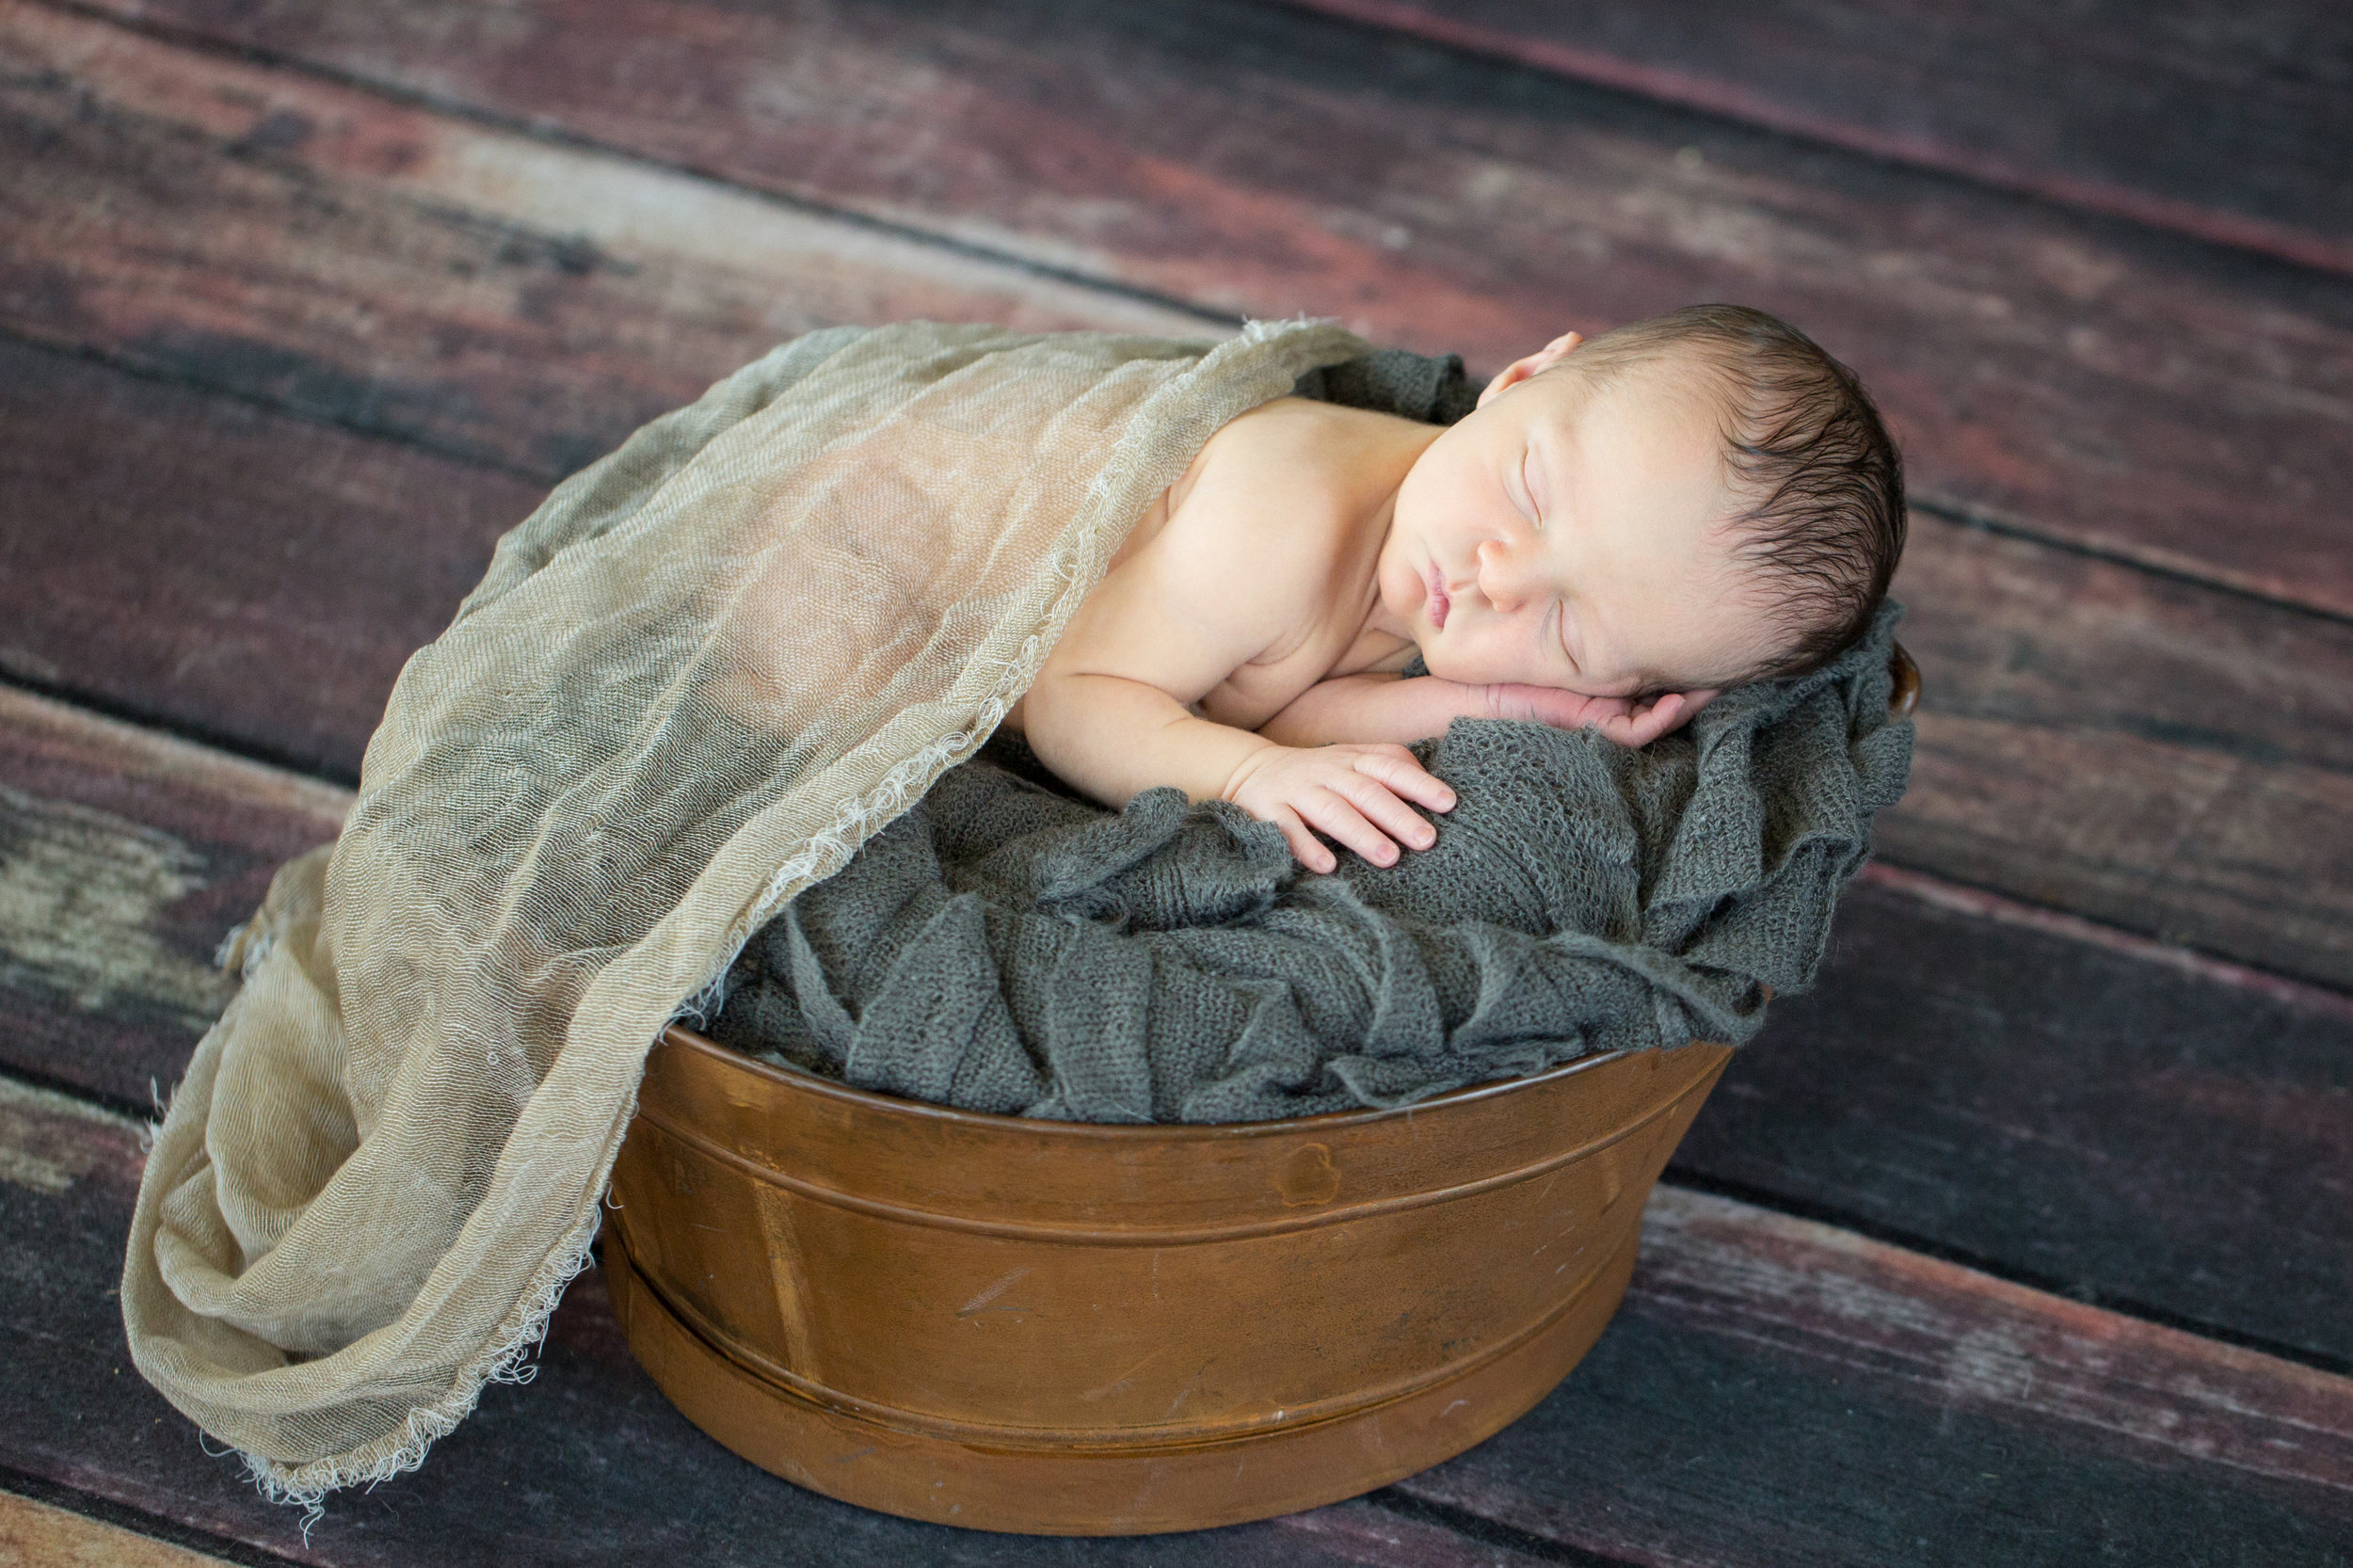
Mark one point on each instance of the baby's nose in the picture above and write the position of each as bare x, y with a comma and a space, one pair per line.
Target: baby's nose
1502, 576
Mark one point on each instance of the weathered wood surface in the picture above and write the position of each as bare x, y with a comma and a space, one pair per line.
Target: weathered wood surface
372, 264
124, 857
2219, 118
1922, 1412
34, 1534
227, 571
1755, 1354
2172, 759
2100, 1122
2057, 1109
2126, 390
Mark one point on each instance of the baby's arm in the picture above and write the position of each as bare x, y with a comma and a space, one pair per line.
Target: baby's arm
1114, 738
1377, 706
1107, 712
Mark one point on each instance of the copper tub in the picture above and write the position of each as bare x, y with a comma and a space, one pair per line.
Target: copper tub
1083, 1330
1073, 1329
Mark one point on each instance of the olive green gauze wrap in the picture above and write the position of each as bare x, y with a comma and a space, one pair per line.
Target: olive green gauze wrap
691, 685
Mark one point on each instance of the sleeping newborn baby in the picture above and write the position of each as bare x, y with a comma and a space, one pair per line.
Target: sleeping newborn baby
1621, 528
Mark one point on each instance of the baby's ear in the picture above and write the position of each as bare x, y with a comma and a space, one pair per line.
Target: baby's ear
1520, 370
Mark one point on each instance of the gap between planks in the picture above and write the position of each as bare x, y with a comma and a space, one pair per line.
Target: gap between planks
1983, 904
587, 288
1982, 1339
540, 129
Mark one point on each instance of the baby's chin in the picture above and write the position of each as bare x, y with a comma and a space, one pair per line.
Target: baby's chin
1436, 662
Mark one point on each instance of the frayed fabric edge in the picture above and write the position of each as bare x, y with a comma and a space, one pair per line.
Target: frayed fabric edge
306, 1486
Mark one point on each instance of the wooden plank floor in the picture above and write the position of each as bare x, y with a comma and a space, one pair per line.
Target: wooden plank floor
2026, 1237
2095, 106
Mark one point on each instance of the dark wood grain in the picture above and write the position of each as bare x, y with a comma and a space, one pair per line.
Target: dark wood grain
2108, 1123
376, 266
2127, 390
221, 568
1778, 1392
2225, 120
125, 855
2168, 759
1756, 1356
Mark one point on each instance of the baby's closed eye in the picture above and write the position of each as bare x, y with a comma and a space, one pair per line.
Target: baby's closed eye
1532, 508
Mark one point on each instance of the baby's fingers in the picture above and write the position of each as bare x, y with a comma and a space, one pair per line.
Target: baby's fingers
1640, 728
1665, 713
1305, 847
1394, 767
1339, 820
1389, 814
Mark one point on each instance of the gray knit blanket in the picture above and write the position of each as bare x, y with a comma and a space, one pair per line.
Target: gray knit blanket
1006, 946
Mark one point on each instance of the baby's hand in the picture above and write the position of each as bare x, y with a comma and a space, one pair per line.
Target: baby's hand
1349, 792
1628, 723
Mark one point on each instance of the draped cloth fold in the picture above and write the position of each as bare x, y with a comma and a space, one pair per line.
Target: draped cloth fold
691, 685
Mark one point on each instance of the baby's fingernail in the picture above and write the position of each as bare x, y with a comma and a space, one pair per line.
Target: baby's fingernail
1423, 841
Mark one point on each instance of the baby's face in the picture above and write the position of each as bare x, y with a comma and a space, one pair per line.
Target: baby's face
1569, 535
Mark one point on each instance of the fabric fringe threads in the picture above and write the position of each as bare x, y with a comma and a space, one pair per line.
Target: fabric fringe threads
308, 1486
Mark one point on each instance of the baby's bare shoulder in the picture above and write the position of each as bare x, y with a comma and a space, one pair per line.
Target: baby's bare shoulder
1275, 479
1293, 429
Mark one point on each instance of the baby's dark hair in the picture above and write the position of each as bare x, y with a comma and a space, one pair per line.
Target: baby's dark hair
1805, 445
